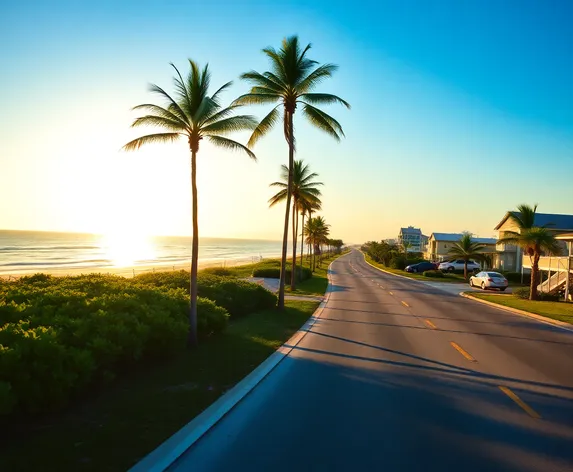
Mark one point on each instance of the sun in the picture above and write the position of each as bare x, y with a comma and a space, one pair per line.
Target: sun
128, 248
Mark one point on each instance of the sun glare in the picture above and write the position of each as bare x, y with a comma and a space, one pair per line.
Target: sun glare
126, 249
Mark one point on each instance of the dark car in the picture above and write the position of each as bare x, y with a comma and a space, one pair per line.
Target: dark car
421, 267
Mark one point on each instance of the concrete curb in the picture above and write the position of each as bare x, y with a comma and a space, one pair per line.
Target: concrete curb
161, 458
516, 311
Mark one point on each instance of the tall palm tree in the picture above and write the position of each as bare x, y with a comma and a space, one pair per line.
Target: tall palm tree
534, 240
467, 250
304, 189
289, 84
193, 114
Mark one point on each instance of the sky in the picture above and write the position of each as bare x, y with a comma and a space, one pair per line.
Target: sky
460, 112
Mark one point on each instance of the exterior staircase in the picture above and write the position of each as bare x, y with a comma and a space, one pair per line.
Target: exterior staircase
554, 283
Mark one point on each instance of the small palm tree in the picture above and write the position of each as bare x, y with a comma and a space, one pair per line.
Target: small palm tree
316, 234
289, 85
467, 249
193, 115
307, 208
304, 190
534, 240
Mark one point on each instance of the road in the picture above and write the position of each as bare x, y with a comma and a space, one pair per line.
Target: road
398, 376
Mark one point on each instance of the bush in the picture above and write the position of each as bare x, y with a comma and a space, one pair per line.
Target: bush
60, 336
238, 297
221, 271
524, 292
304, 273
434, 274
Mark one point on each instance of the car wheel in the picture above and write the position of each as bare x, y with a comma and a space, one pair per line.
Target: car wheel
502, 289
414, 270
451, 269
483, 285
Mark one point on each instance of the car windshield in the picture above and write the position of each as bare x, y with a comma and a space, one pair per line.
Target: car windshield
495, 274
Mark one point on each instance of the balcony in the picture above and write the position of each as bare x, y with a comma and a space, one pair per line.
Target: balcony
502, 247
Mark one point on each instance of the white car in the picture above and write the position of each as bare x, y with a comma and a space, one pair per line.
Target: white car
487, 280
458, 264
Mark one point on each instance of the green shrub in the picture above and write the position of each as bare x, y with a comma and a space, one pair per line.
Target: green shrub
515, 277
434, 274
523, 293
304, 273
217, 271
169, 279
60, 336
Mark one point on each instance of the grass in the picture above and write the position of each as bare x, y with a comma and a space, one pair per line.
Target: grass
560, 311
317, 284
448, 277
115, 428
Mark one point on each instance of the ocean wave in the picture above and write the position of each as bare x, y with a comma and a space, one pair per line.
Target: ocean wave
47, 263
45, 248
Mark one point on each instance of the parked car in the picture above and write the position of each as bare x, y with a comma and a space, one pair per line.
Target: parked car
421, 267
487, 280
458, 264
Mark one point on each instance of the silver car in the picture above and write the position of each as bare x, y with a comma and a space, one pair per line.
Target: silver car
487, 280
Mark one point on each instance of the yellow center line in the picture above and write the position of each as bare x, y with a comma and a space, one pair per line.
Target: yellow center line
430, 324
462, 352
530, 411
391, 293
405, 304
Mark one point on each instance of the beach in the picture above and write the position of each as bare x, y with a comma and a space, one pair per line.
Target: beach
29, 252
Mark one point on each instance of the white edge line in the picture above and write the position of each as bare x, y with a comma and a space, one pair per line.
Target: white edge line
171, 449
391, 273
516, 311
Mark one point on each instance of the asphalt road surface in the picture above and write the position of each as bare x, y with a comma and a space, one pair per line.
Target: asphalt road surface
398, 376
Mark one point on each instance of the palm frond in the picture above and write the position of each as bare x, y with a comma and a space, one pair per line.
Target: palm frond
278, 184
231, 124
316, 76
323, 121
153, 120
173, 107
266, 80
215, 96
160, 111
181, 89
264, 126
231, 145
150, 139
278, 197
256, 99
323, 99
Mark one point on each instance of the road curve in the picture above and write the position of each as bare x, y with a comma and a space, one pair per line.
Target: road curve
398, 376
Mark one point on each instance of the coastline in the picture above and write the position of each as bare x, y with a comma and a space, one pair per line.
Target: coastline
132, 270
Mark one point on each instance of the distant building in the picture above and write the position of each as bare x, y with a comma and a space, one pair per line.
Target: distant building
413, 238
439, 245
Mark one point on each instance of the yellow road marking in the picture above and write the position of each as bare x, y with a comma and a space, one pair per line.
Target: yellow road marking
530, 411
405, 304
430, 324
462, 352
390, 293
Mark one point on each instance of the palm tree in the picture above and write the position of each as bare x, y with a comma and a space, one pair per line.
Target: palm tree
304, 189
194, 115
289, 84
534, 240
307, 207
317, 233
467, 249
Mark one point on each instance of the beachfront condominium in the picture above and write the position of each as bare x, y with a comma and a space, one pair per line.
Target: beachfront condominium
412, 239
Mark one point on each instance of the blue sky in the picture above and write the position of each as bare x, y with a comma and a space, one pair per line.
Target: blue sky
460, 111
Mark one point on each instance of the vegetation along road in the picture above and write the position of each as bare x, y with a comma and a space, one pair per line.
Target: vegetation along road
396, 375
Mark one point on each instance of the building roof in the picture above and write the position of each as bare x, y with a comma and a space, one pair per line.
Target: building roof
410, 230
455, 237
550, 220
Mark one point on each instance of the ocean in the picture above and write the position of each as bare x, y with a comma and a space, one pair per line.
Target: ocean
35, 251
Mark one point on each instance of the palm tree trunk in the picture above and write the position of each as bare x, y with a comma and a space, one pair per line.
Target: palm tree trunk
288, 125
302, 243
192, 336
534, 276
309, 244
465, 269
294, 242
